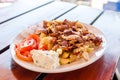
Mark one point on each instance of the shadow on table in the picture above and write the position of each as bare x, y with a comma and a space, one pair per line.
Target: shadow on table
21, 73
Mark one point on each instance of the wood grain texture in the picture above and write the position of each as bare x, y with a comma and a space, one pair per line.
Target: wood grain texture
9, 70
19, 7
83, 14
10, 29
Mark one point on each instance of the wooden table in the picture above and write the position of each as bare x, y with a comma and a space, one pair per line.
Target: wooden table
24, 13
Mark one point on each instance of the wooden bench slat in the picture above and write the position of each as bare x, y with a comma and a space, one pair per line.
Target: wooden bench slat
20, 7
83, 14
10, 29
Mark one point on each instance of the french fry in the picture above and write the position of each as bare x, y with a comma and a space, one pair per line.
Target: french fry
64, 61
85, 56
65, 55
59, 51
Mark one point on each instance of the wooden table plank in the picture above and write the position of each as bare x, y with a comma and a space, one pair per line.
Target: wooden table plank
9, 70
109, 24
83, 14
16, 25
19, 7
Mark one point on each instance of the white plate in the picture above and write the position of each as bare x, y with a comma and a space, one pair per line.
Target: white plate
69, 67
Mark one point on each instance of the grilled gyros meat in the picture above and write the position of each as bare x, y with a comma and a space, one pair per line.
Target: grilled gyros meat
69, 37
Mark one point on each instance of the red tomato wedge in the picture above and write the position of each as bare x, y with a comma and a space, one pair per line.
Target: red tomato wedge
29, 43
42, 47
23, 49
24, 56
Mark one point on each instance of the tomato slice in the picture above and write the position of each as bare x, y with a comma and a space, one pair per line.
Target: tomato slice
26, 56
29, 43
35, 37
42, 47
23, 49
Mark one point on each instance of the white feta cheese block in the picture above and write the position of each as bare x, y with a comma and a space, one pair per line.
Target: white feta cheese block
45, 59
